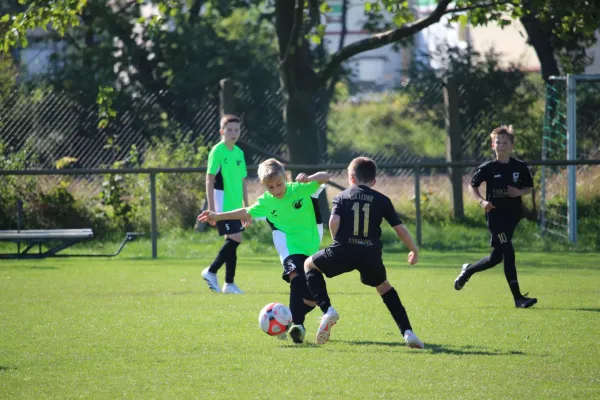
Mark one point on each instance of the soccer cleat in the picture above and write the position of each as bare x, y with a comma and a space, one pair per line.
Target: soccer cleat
211, 280
297, 333
231, 288
525, 302
328, 320
460, 281
412, 340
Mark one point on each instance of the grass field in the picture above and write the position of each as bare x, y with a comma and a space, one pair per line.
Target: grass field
150, 329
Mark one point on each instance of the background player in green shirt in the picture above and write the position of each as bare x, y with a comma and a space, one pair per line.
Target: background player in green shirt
225, 191
288, 208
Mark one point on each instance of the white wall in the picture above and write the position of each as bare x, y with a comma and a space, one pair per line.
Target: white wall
595, 52
380, 66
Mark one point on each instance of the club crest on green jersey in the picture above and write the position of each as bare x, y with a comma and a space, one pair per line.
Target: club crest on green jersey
297, 204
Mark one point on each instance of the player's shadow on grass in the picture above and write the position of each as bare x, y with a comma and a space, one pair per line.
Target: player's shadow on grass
470, 350
43, 267
292, 345
7, 368
439, 349
567, 309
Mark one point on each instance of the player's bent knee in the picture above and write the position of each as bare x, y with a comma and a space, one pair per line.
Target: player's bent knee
496, 259
235, 237
292, 275
309, 264
385, 287
310, 303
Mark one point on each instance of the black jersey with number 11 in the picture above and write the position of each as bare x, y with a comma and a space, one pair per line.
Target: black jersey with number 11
361, 210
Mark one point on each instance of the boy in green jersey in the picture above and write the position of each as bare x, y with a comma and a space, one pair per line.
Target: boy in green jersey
226, 191
288, 208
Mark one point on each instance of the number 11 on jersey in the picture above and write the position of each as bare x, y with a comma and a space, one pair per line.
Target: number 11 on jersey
366, 210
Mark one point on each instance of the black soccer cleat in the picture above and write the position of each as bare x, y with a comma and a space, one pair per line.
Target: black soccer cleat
297, 333
461, 280
525, 302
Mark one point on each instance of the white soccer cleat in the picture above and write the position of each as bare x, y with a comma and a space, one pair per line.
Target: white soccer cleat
460, 281
211, 280
412, 340
231, 288
328, 320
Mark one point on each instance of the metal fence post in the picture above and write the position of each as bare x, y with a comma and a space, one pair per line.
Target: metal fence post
154, 234
572, 155
417, 173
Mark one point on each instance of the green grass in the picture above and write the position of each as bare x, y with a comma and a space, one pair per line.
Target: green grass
135, 328
435, 237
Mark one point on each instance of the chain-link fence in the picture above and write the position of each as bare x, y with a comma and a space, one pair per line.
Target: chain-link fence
571, 115
48, 129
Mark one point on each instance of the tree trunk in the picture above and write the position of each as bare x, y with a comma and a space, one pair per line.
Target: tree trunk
453, 146
299, 83
539, 37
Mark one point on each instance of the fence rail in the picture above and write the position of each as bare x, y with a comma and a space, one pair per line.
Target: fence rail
416, 169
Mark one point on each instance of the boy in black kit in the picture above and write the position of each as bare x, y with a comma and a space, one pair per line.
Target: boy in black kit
355, 227
507, 179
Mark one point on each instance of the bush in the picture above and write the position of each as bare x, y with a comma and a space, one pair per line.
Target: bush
378, 127
123, 202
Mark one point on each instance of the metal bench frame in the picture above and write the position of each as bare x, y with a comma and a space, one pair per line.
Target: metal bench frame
58, 239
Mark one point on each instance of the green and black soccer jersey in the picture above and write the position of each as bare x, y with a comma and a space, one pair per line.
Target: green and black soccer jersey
292, 218
229, 168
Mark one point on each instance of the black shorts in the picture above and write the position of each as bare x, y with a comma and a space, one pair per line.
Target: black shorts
229, 227
293, 262
501, 229
338, 259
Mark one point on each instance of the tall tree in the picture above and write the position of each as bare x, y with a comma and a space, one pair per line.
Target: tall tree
572, 25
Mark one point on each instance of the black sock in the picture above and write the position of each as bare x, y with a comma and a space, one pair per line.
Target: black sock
393, 303
318, 289
510, 270
298, 308
486, 262
231, 261
222, 256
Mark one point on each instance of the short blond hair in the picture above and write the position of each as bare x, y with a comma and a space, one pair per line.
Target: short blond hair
504, 130
270, 169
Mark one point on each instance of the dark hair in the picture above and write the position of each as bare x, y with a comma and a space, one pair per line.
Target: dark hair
227, 118
363, 169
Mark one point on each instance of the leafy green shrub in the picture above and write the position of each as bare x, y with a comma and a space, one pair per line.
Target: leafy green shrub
179, 196
14, 188
379, 128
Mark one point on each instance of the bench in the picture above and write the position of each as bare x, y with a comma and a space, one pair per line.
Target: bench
55, 239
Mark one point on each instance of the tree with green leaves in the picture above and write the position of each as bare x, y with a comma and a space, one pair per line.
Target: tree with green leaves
558, 31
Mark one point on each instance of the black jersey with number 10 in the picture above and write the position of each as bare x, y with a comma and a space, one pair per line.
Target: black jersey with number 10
361, 210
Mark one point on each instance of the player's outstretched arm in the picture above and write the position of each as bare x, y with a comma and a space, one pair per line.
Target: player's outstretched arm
404, 236
321, 177
240, 213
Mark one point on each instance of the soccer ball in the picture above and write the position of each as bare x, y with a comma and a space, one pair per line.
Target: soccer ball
274, 319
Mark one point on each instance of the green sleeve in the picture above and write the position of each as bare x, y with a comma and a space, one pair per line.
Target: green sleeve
214, 161
258, 209
308, 188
